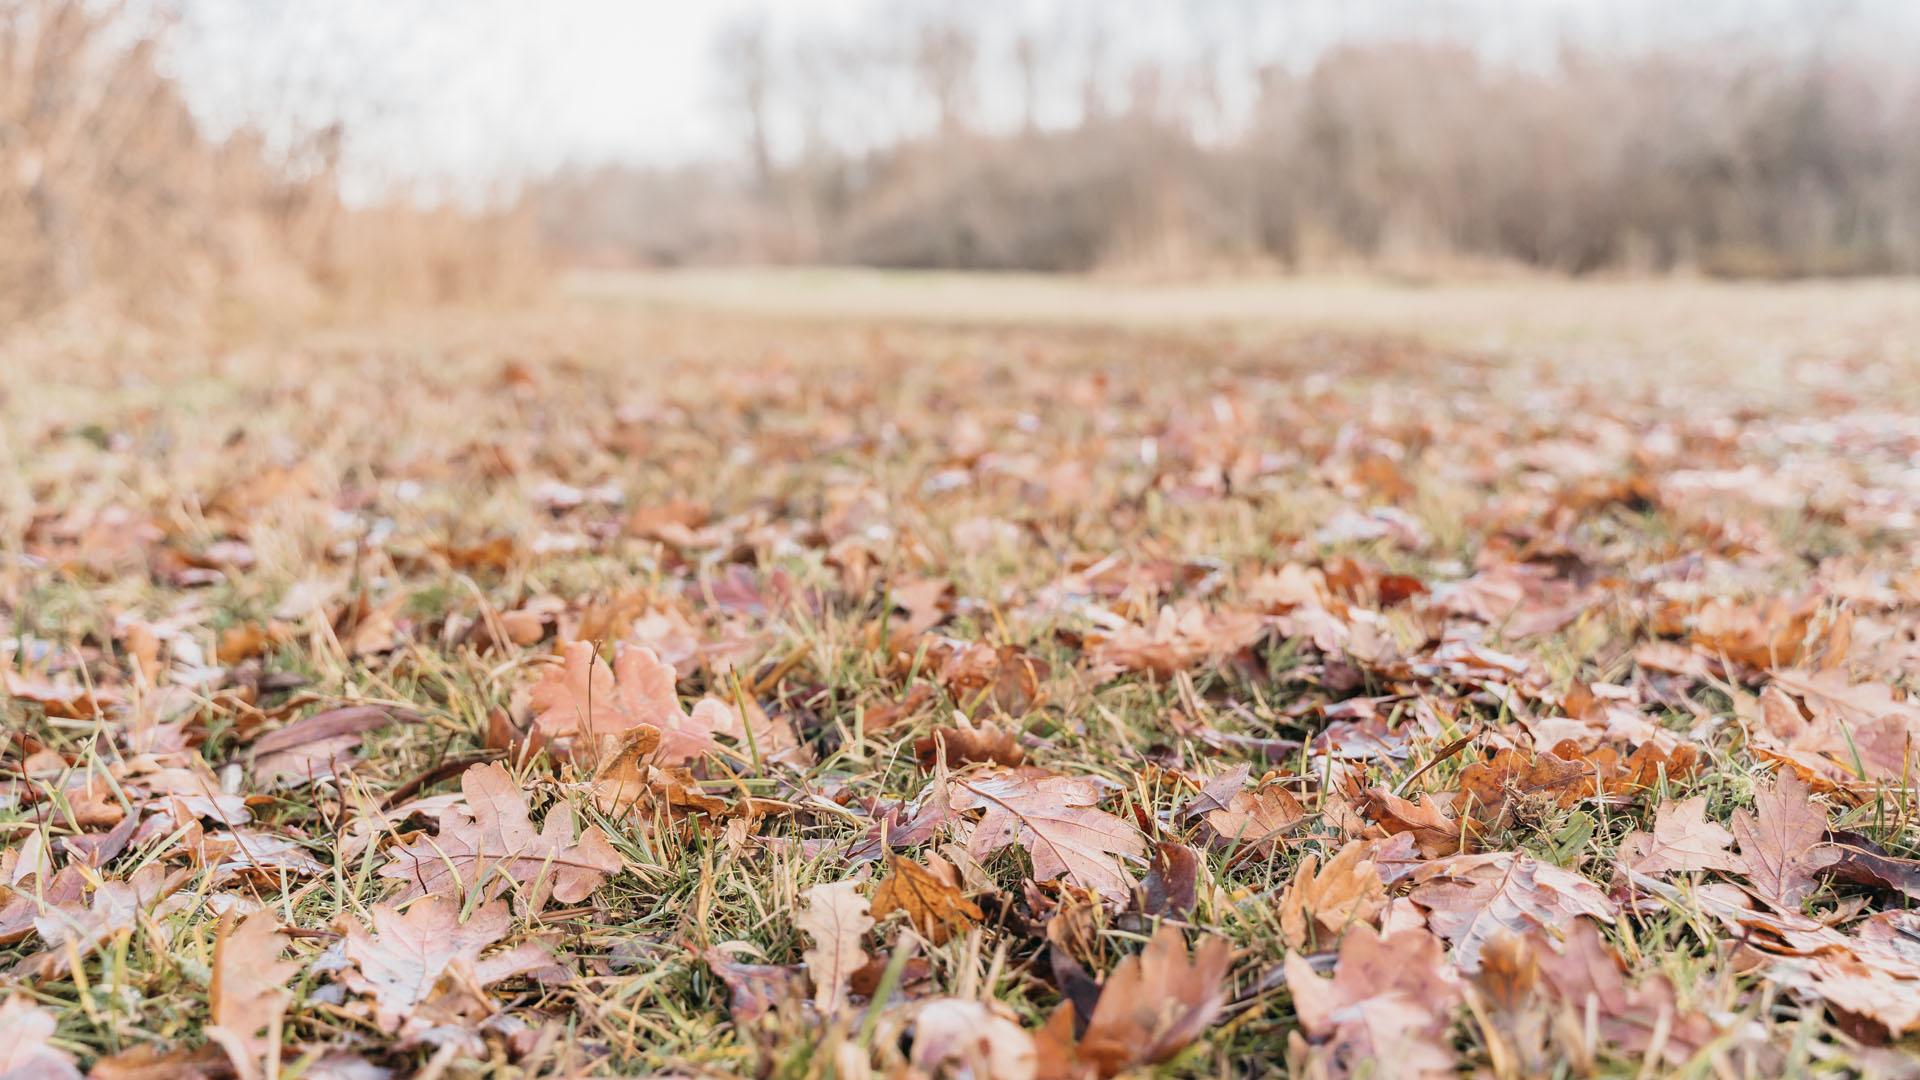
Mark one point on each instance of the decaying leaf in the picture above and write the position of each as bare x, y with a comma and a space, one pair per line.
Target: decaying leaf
971, 1038
584, 698
835, 917
986, 744
1053, 817
490, 846
931, 900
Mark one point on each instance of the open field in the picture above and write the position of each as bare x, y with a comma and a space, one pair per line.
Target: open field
1068, 678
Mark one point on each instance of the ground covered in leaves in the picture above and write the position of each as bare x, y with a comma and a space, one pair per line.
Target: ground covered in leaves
806, 700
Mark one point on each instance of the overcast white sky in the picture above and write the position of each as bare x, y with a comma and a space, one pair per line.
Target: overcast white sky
470, 89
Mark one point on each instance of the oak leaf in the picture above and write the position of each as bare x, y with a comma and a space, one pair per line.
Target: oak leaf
1388, 1004
1682, 839
406, 954
585, 698
1322, 902
1150, 1008
1053, 817
1471, 898
491, 846
836, 918
753, 989
933, 903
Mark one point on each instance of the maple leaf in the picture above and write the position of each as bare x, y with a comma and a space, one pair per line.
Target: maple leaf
1434, 828
835, 917
248, 992
932, 902
1253, 819
584, 697
1389, 1003
1778, 839
959, 1037
1471, 898
1322, 902
25, 1051
1053, 817
406, 954
1682, 839
1512, 780
1150, 1008
491, 846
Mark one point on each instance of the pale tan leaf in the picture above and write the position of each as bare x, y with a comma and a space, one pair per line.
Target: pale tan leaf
1682, 839
1053, 817
835, 917
1471, 898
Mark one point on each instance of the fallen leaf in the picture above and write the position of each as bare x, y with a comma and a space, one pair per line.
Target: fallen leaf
1471, 898
835, 917
958, 1037
248, 993
1682, 840
1589, 979
1150, 1008
398, 963
1171, 886
490, 847
25, 1052
1053, 817
987, 744
933, 904
1388, 1005
1322, 903
584, 697
1778, 837
754, 989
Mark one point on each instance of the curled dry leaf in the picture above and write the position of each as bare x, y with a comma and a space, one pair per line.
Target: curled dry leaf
1171, 886
1471, 898
931, 900
1323, 902
491, 846
1053, 817
1150, 1008
1389, 1003
754, 989
248, 993
835, 917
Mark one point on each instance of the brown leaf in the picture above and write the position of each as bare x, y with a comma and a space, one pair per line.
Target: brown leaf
958, 1037
1682, 840
932, 903
1514, 780
1390, 1000
1053, 817
584, 698
754, 989
1254, 819
491, 847
248, 993
1172, 881
1588, 978
1322, 903
1854, 865
1434, 828
987, 744
1153, 1005
1471, 898
406, 954
1776, 840
25, 1052
835, 917
320, 746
